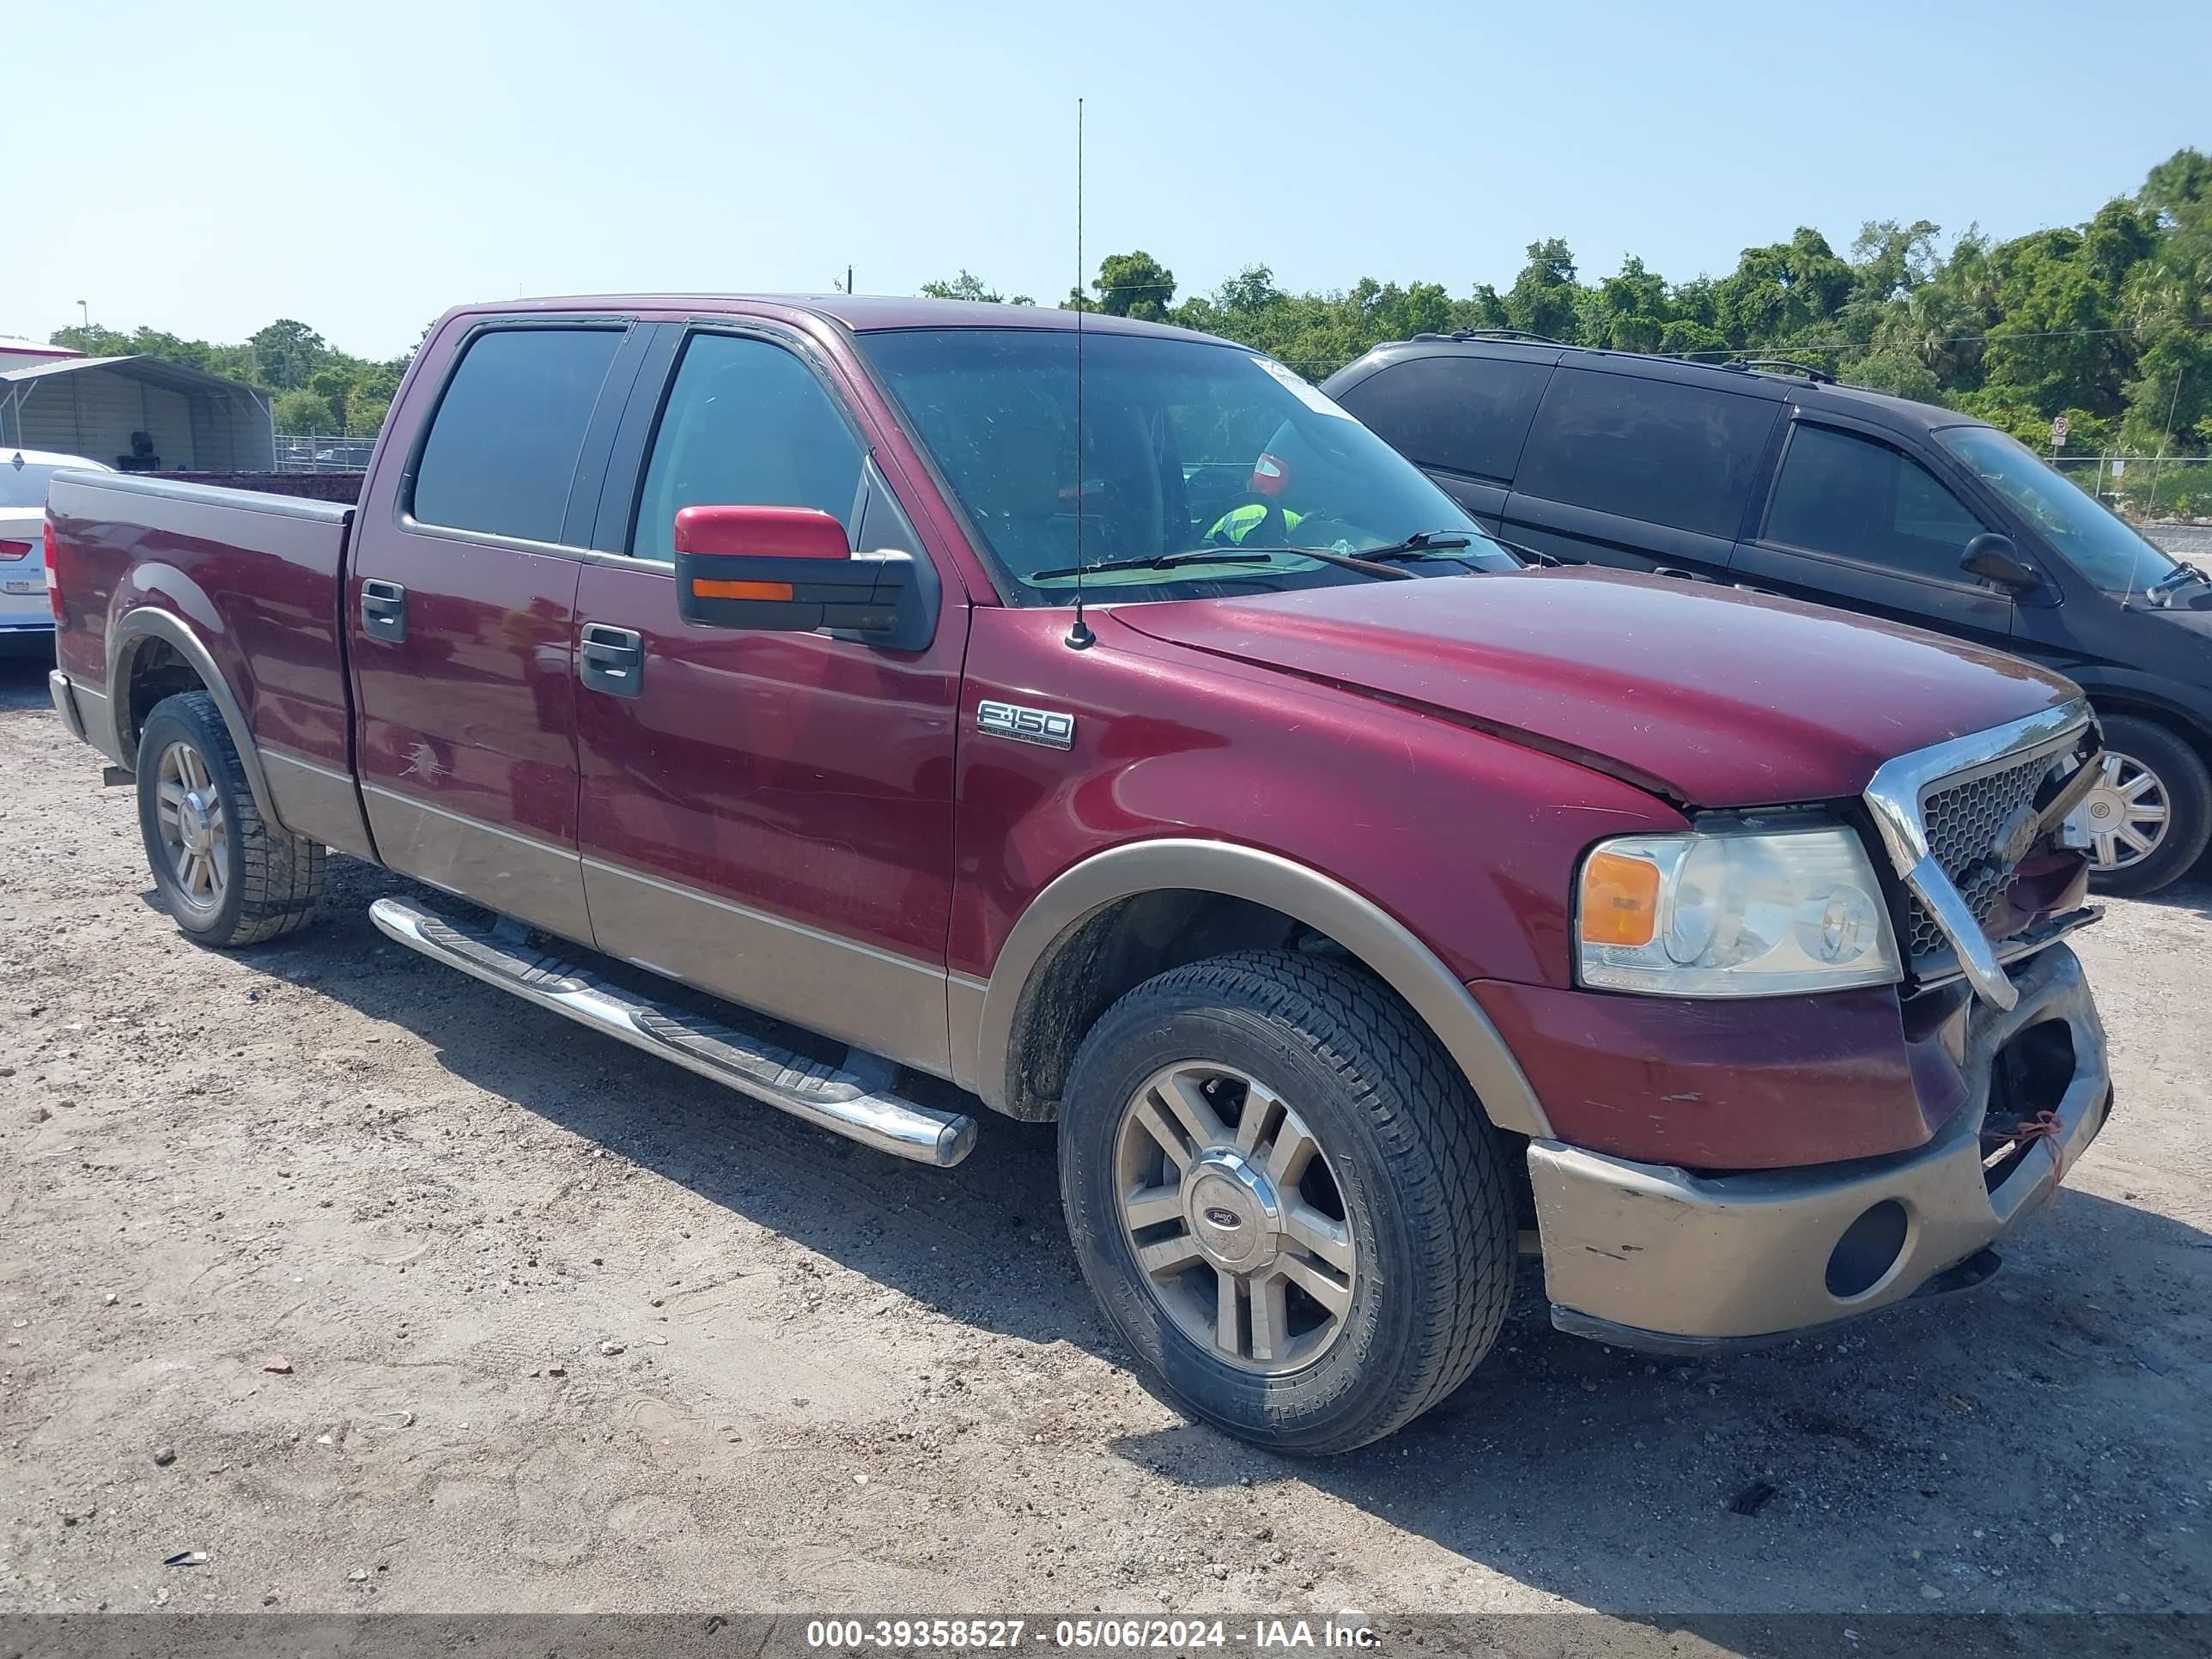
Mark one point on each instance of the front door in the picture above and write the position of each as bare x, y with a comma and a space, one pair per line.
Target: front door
461, 610
767, 816
1854, 521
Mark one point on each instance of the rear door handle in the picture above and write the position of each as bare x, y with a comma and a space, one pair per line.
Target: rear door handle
384, 611
611, 659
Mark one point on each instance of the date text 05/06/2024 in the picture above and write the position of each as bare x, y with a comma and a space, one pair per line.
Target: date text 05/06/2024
1347, 1629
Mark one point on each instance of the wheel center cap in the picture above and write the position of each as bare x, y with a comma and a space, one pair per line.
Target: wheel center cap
193, 823
1233, 1211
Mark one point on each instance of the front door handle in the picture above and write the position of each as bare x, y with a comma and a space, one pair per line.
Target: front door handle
611, 659
384, 611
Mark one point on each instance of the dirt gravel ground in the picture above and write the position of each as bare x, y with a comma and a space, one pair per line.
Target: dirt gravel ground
385, 1291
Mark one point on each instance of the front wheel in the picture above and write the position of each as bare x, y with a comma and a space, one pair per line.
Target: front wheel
226, 877
1286, 1199
2147, 817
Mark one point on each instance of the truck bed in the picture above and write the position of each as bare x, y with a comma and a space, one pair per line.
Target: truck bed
257, 579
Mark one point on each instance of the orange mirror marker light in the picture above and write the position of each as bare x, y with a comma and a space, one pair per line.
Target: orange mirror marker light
1620, 900
705, 589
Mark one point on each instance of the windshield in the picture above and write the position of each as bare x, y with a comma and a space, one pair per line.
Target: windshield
2087, 534
24, 482
1187, 445
23, 486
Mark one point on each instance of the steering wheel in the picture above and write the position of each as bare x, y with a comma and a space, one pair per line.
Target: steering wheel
1273, 530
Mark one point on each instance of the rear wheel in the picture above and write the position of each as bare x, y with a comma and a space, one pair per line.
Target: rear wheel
1287, 1201
227, 877
2149, 816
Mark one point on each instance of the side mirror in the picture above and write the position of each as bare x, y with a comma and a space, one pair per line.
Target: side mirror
788, 570
1995, 559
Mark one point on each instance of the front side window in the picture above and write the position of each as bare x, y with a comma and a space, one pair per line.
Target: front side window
1682, 456
502, 449
2085, 532
1187, 448
1858, 498
746, 424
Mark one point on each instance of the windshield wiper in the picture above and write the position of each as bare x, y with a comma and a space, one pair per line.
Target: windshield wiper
1159, 562
1423, 544
2175, 580
1238, 555
1343, 560
1420, 546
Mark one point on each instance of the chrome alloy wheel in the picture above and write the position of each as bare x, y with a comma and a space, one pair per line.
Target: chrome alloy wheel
1238, 1226
2122, 818
195, 835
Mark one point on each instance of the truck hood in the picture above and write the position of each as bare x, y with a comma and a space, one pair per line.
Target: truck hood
1705, 694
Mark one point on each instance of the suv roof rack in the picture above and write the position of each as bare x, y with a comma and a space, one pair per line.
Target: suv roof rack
1519, 334
1733, 365
1819, 376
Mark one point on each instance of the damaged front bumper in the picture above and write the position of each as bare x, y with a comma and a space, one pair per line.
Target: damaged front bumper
1646, 1255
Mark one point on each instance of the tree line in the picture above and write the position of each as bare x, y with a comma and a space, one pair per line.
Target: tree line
2108, 324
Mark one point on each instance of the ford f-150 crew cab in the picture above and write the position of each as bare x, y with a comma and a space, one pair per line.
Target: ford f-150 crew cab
1100, 720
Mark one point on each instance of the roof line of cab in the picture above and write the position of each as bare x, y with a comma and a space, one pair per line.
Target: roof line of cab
859, 313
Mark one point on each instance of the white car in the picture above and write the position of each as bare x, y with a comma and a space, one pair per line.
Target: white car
25, 614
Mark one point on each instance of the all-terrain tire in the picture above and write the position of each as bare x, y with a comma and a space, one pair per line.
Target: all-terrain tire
1422, 1176
268, 879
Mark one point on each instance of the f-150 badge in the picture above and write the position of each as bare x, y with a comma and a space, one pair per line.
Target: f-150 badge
1047, 727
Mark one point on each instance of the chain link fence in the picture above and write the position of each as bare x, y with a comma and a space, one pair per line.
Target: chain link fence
309, 453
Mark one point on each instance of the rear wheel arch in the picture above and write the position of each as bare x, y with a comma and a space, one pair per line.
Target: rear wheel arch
154, 653
1123, 915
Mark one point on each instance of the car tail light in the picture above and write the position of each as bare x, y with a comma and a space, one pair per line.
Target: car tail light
11, 552
53, 577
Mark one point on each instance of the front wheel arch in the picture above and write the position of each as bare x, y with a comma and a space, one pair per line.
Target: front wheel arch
1004, 1020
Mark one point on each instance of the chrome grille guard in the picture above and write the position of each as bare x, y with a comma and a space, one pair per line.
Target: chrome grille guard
1895, 798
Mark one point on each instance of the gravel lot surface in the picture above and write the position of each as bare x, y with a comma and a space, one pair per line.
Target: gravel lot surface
386, 1290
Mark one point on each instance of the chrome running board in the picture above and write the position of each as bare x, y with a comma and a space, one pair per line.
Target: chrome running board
855, 1100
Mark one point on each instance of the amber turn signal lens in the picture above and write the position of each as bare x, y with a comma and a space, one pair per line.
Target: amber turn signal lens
1620, 900
708, 590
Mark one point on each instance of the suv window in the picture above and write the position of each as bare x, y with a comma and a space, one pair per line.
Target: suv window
746, 424
1858, 498
1682, 456
1464, 414
502, 448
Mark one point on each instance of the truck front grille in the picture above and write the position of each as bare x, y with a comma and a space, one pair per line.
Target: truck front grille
1962, 821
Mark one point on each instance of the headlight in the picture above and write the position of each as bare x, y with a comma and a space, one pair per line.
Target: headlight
1733, 913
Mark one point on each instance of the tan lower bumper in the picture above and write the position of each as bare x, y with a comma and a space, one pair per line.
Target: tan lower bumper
1648, 1256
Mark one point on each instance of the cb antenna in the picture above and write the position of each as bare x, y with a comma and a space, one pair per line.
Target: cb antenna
1080, 636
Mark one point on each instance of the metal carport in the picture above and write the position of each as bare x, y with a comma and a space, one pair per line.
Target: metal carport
90, 406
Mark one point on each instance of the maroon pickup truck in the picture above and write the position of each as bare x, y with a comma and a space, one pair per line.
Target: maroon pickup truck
1103, 721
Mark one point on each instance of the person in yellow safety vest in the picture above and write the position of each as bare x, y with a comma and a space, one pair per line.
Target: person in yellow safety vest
1239, 522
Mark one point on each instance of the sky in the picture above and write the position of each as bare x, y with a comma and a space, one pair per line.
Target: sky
360, 167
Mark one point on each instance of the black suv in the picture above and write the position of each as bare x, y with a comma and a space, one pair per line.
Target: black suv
1773, 477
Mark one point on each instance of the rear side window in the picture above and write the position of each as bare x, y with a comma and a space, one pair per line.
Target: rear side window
1462, 414
502, 453
1858, 498
1682, 456
746, 425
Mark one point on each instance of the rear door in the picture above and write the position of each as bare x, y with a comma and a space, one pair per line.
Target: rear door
1461, 417
1644, 472
768, 816
461, 608
1853, 520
